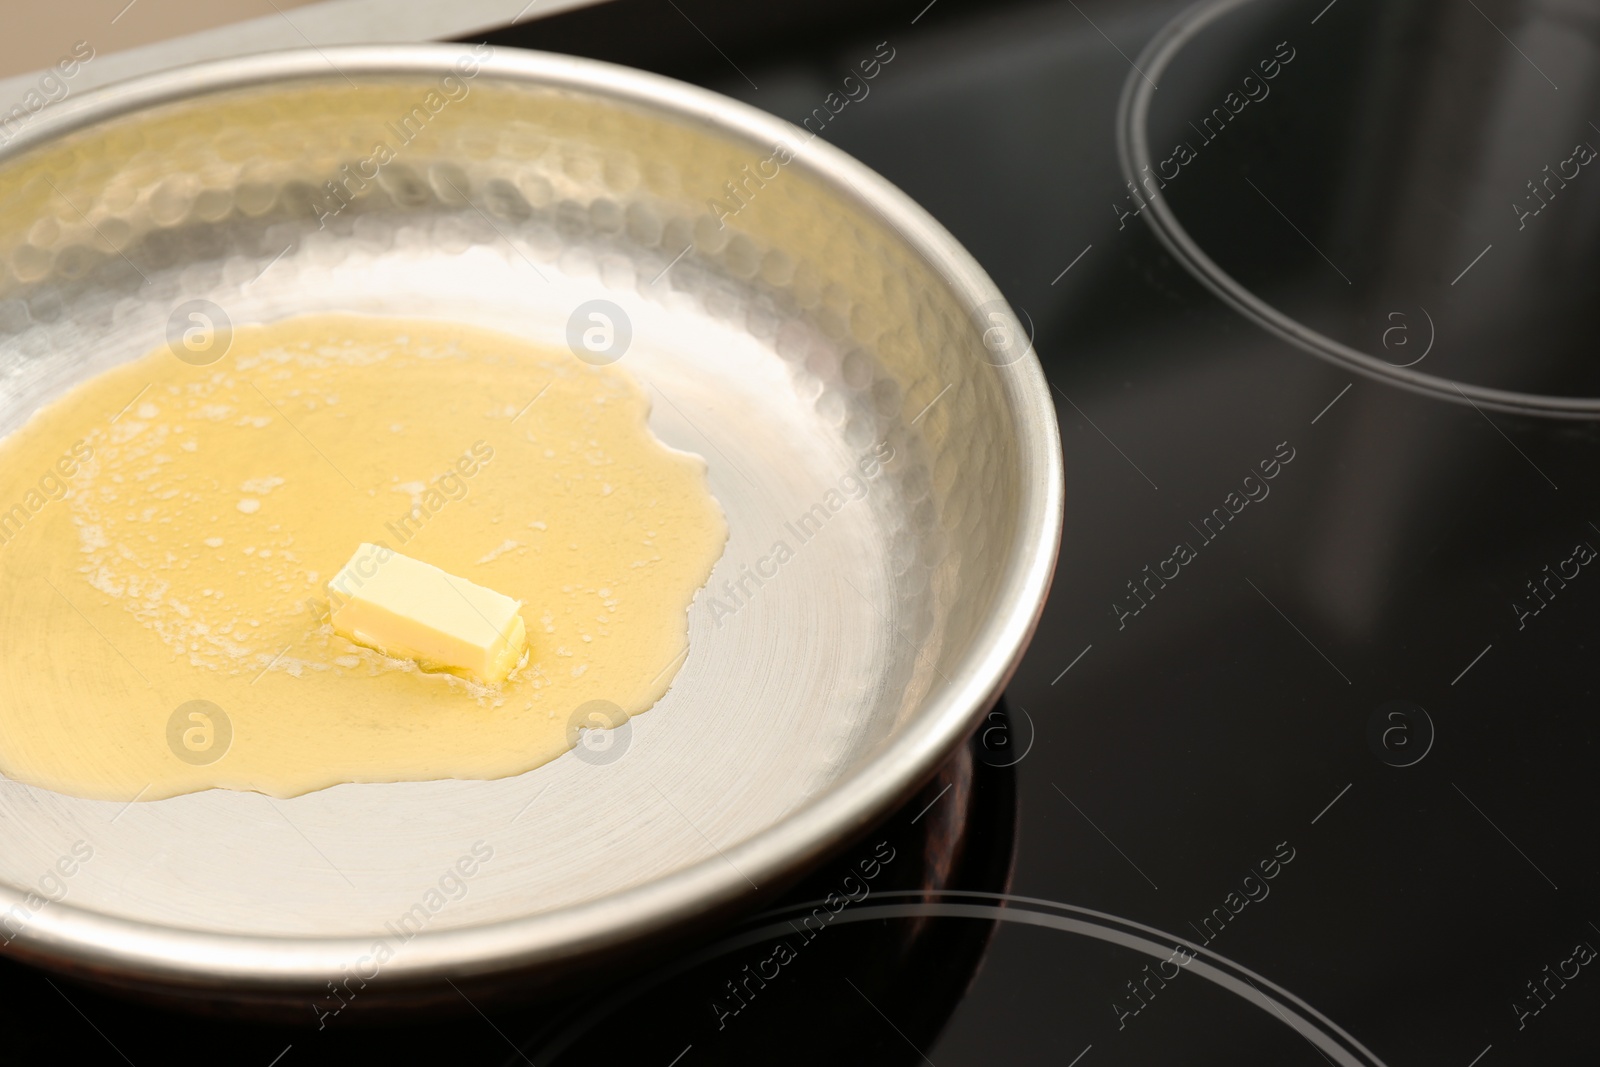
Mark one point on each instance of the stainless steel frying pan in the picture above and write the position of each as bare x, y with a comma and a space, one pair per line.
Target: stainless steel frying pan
792, 310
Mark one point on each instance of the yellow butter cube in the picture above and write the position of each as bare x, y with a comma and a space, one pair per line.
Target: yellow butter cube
413, 610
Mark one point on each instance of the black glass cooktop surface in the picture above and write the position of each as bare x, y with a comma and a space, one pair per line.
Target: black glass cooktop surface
1299, 768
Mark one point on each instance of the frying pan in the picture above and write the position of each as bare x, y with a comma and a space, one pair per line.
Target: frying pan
789, 311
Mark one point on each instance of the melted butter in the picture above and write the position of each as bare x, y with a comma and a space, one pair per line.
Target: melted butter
188, 557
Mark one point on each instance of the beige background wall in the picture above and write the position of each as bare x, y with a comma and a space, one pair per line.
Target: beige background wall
36, 33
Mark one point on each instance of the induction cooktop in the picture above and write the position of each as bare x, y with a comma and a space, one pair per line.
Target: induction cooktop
1299, 768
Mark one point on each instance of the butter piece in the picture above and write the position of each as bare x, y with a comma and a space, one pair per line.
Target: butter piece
413, 610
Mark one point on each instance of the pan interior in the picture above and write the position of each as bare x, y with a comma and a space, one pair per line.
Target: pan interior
784, 330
